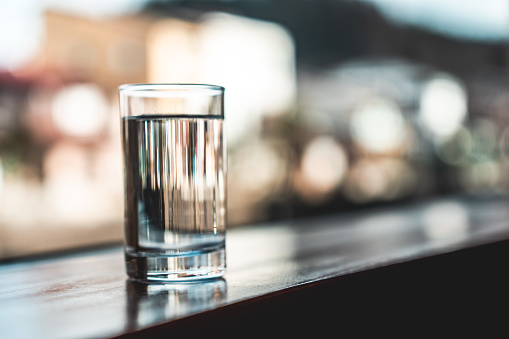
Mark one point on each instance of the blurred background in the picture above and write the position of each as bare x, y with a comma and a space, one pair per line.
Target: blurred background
331, 105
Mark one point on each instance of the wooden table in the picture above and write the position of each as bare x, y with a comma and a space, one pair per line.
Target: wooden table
423, 265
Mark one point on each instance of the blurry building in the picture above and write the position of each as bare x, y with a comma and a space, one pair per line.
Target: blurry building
105, 52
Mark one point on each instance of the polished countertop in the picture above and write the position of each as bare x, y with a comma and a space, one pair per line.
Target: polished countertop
87, 294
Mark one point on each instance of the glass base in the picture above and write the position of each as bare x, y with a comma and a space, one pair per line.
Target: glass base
162, 267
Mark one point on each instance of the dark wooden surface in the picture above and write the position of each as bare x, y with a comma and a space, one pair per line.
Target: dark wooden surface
290, 274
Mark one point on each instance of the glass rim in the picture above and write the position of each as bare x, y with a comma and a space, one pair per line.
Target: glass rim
169, 90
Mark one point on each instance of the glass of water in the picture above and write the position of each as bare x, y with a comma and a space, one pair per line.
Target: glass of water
174, 151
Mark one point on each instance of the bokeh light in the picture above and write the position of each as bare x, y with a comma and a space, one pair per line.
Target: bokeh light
80, 110
261, 169
323, 166
485, 136
252, 59
379, 126
457, 149
443, 106
328, 108
1, 176
481, 176
256, 175
379, 179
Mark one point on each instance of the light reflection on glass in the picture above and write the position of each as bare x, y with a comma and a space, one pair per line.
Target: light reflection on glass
150, 304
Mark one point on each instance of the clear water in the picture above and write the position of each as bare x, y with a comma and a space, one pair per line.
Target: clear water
175, 176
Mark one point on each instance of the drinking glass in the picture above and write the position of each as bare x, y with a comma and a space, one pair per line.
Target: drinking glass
174, 150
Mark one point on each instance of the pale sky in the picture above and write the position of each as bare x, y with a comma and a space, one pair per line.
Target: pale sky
467, 19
